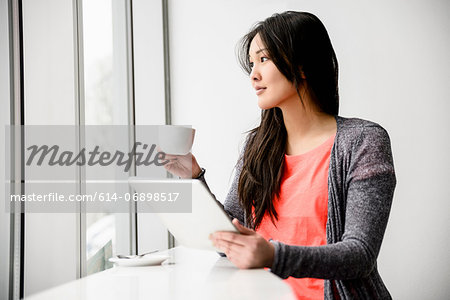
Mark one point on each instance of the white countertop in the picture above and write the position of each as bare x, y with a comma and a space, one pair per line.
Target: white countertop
188, 274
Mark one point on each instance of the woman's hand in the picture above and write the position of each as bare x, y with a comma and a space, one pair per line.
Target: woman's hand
247, 249
184, 166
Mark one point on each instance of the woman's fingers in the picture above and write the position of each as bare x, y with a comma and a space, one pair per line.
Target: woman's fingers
246, 249
233, 237
240, 238
171, 157
228, 247
240, 255
230, 237
236, 253
180, 165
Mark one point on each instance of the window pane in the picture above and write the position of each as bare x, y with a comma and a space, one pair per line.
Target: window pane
106, 103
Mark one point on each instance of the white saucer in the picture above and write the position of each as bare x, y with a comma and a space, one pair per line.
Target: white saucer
148, 260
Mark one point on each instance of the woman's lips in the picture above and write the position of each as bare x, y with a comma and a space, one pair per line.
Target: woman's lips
259, 91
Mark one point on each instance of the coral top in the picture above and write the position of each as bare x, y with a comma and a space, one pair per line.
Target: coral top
302, 210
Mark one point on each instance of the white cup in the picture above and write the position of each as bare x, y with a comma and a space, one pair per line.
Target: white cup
175, 139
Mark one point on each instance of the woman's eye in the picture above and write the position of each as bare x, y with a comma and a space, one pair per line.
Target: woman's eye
250, 64
263, 59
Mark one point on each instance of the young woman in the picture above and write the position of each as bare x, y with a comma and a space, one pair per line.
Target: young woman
313, 190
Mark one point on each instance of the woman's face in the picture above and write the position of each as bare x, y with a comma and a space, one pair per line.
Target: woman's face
272, 88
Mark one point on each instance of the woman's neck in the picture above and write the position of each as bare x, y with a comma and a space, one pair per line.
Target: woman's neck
306, 127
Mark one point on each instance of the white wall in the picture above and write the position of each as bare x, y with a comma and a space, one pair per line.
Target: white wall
394, 66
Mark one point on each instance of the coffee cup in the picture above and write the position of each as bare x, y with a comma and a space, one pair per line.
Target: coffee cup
175, 139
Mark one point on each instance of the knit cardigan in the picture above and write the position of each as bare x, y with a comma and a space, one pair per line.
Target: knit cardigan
361, 183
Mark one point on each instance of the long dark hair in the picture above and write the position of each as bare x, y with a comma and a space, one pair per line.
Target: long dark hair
294, 41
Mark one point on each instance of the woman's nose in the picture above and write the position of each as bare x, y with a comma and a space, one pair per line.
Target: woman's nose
255, 75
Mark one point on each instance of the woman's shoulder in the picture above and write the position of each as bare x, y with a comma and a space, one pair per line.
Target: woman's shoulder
359, 132
354, 123
365, 146
352, 126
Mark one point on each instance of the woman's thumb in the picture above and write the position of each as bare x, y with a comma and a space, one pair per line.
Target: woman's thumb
242, 229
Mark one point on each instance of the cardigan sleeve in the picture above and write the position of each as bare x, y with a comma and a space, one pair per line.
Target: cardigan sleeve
368, 192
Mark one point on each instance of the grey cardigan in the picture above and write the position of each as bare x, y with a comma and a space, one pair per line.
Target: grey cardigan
361, 183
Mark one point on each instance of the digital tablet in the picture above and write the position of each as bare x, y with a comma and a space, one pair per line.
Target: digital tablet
191, 229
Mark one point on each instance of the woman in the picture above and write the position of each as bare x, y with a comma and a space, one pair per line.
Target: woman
313, 190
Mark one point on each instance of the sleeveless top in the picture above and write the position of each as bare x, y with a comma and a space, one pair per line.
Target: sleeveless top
302, 210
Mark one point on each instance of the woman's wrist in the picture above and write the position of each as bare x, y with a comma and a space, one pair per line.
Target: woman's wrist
270, 256
199, 173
